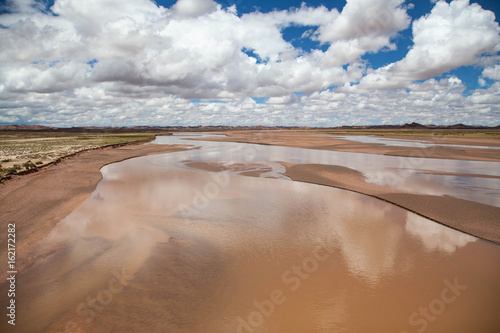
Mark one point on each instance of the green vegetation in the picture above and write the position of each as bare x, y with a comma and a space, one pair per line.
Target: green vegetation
29, 165
11, 170
18, 148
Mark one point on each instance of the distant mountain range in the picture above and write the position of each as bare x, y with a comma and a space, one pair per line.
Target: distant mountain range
417, 126
96, 129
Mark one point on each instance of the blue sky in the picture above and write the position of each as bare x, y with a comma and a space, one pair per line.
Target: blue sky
231, 62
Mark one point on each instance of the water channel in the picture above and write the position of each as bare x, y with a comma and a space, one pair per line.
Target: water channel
162, 247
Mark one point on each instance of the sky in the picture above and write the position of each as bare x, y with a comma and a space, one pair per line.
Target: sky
259, 62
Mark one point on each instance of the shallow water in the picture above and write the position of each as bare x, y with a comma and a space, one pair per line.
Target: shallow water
160, 247
402, 173
405, 142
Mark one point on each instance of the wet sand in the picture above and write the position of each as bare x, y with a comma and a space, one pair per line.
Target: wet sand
457, 174
329, 142
471, 217
252, 169
38, 201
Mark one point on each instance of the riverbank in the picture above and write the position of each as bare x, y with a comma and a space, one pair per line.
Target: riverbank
36, 202
24, 152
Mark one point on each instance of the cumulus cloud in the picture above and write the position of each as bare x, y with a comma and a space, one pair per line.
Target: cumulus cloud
366, 18
195, 49
125, 62
288, 99
492, 73
363, 26
22, 6
89, 17
194, 8
443, 40
110, 104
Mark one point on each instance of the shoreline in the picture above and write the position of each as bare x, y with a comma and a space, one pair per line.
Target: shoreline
37, 201
449, 211
8, 177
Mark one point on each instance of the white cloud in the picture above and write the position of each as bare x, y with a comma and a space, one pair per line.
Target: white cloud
443, 40
125, 62
90, 16
486, 99
194, 8
363, 26
44, 78
492, 72
195, 49
22, 6
362, 18
432, 101
288, 99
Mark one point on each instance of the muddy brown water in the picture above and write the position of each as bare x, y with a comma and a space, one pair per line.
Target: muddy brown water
160, 247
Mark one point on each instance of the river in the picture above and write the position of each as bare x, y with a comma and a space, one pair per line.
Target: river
162, 247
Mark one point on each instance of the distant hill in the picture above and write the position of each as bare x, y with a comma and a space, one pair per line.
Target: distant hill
26, 128
135, 129
417, 126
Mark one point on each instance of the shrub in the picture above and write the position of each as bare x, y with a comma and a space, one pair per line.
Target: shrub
11, 170
39, 162
29, 165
